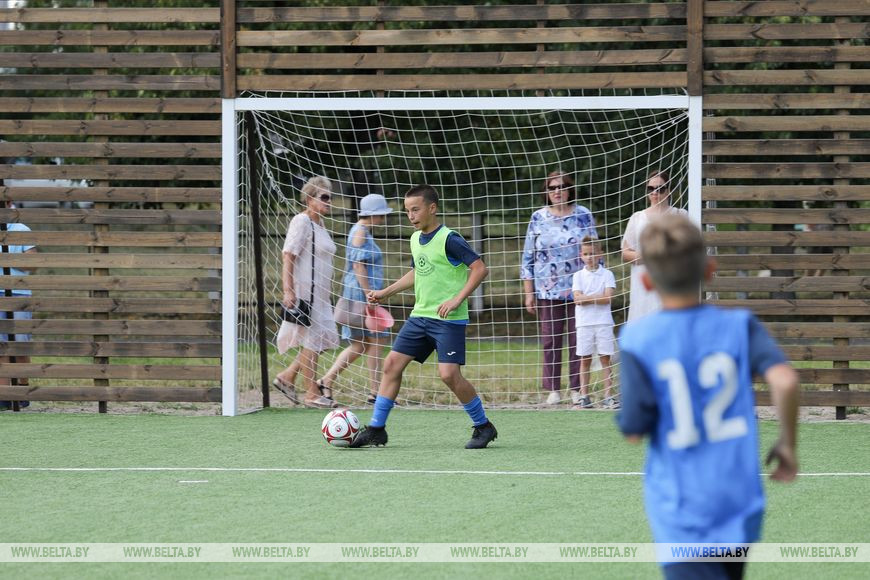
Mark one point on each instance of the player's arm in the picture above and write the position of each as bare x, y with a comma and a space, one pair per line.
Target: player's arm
766, 358
639, 412
784, 385
477, 271
400, 285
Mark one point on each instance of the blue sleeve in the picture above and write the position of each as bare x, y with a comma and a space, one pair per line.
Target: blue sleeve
360, 254
458, 251
763, 350
527, 266
639, 412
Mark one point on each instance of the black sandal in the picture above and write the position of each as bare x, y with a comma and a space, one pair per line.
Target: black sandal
372, 398
325, 392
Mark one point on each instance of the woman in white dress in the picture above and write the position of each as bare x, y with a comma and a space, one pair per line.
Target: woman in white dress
642, 301
296, 280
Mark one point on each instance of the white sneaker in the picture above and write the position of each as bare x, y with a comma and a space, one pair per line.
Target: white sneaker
554, 398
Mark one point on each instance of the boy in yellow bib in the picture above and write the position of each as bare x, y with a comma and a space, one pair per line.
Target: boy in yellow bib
446, 271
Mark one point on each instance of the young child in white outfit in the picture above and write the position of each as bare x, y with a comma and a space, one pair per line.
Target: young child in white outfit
593, 288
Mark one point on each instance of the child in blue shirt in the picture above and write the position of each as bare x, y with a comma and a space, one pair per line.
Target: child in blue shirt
686, 379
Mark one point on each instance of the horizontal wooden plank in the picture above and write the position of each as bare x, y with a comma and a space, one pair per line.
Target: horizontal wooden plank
423, 60
821, 398
45, 239
117, 394
805, 170
788, 123
785, 193
138, 127
835, 376
820, 352
114, 327
793, 261
782, 54
731, 78
113, 371
111, 15
777, 31
117, 260
793, 239
268, 15
819, 330
786, 216
754, 147
119, 283
68, 348
114, 194
111, 150
462, 81
465, 37
807, 307
109, 60
86, 82
786, 101
189, 106
111, 216
113, 172
787, 8
110, 305
126, 38
788, 284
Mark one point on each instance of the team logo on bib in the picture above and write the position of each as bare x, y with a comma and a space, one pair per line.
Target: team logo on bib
424, 266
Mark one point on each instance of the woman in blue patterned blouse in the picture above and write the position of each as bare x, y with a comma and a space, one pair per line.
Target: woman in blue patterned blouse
551, 255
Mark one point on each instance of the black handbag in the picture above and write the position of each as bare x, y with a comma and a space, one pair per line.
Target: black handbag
301, 313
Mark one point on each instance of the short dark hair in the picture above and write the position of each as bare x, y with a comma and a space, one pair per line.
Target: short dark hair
427, 192
590, 241
567, 181
673, 251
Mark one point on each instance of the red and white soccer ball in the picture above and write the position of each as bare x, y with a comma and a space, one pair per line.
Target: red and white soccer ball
340, 427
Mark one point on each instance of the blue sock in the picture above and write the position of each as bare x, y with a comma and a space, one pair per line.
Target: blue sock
474, 408
383, 406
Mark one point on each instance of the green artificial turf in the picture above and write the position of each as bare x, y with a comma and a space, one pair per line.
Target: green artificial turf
349, 506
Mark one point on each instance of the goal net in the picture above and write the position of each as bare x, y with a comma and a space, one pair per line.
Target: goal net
489, 160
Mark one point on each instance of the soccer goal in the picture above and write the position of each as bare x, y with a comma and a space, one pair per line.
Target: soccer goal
488, 156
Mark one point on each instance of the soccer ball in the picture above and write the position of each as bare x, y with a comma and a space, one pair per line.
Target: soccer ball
340, 427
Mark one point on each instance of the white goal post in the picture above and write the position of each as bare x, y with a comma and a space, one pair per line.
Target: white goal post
233, 109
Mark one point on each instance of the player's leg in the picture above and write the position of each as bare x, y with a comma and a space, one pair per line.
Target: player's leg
410, 344
450, 344
585, 368
607, 376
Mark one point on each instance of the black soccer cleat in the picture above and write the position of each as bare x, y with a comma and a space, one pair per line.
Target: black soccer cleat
370, 436
482, 436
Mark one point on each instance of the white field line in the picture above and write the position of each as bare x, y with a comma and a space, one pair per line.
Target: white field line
373, 471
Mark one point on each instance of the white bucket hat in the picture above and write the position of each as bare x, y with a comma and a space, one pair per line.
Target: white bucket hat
374, 204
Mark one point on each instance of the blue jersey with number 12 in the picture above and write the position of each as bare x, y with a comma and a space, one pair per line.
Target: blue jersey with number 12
687, 382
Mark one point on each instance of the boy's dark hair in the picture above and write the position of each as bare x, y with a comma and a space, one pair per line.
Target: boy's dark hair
673, 251
567, 181
427, 192
590, 241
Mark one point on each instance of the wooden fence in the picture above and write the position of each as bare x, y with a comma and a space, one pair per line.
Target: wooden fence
127, 286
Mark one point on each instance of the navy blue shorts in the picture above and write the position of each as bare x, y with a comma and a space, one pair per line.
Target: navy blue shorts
420, 336
704, 571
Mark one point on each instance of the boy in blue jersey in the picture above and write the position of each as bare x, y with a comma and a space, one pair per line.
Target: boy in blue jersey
444, 273
687, 383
